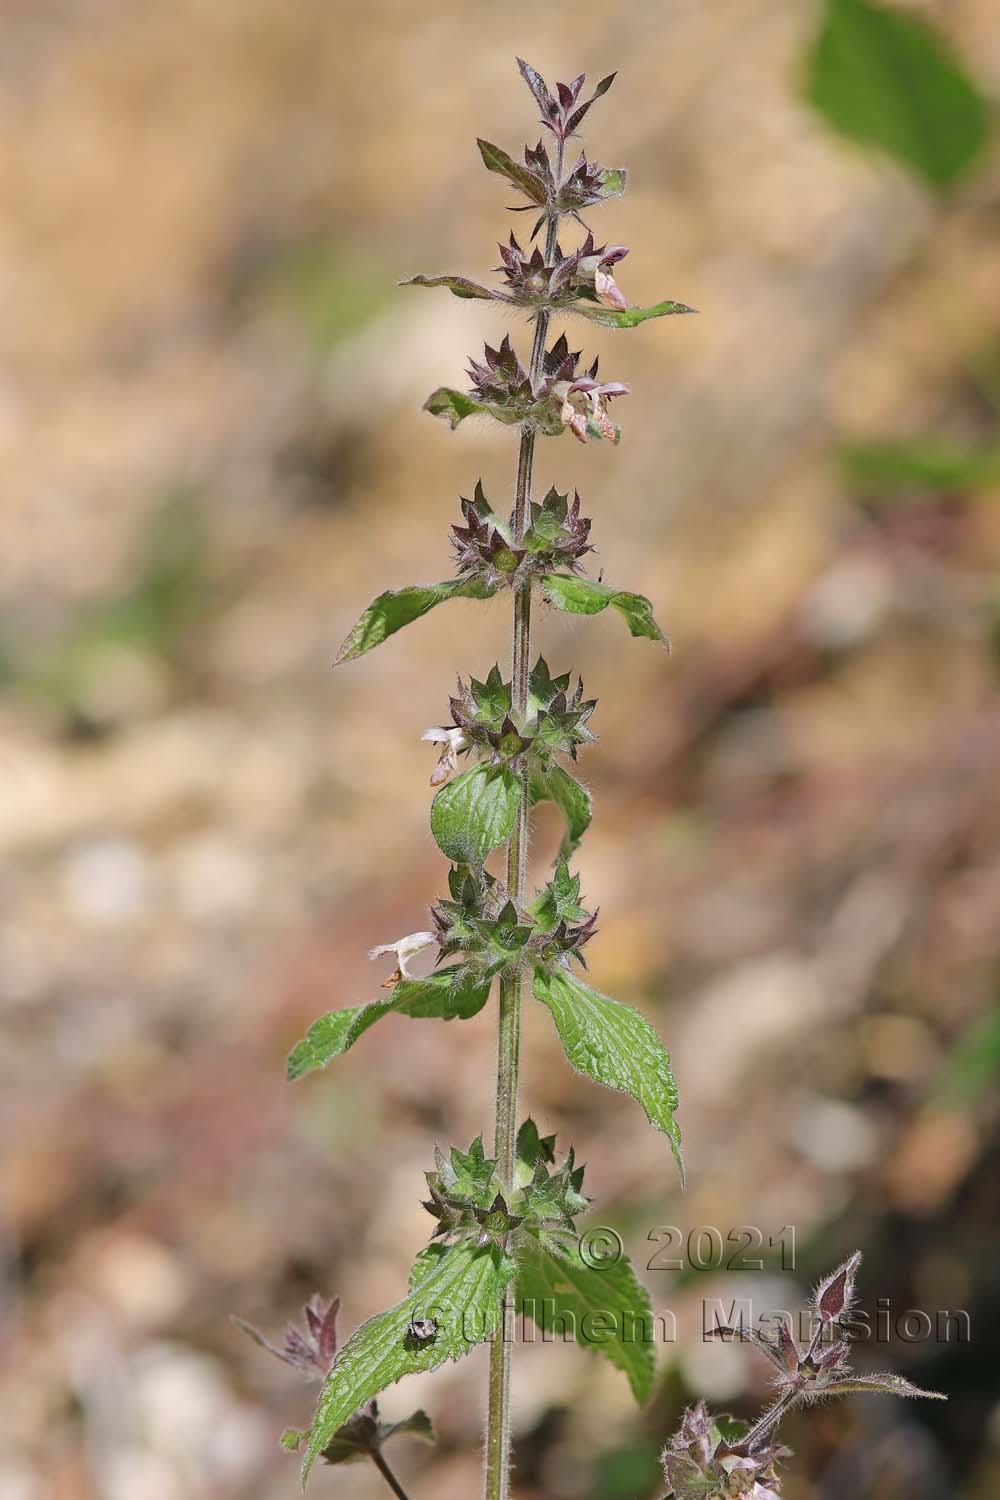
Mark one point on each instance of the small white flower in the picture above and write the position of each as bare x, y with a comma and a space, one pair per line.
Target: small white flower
583, 410
453, 742
608, 290
404, 949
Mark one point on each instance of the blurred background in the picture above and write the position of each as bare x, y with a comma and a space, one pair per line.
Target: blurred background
214, 456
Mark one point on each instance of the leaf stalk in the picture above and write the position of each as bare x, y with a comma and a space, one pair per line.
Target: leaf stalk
388, 1475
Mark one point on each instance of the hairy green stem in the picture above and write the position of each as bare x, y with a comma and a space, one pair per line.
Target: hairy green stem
509, 1032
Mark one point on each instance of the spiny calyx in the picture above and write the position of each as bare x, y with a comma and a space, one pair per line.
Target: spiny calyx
564, 395
480, 921
468, 1201
556, 536
483, 720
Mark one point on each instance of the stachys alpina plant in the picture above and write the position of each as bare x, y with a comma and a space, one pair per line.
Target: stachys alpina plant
504, 1240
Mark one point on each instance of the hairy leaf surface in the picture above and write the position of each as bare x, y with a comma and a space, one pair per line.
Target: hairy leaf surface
460, 286
457, 405
603, 1308
497, 160
462, 1296
454, 993
614, 1045
627, 317
585, 596
554, 784
475, 813
398, 607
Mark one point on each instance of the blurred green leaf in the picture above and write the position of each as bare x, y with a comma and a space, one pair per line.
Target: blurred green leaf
974, 1065
330, 292
627, 1473
169, 585
924, 464
143, 622
885, 78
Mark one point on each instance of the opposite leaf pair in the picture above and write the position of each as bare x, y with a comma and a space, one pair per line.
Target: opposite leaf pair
606, 1041
481, 1242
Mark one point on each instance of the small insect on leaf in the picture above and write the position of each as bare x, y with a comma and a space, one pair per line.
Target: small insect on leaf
421, 1331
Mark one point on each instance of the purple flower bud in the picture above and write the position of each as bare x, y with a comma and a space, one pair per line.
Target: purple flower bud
314, 1350
835, 1295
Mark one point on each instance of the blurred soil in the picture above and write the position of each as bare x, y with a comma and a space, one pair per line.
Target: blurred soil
213, 456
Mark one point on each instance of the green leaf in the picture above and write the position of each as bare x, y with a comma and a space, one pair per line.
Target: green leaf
885, 78
552, 783
614, 1045
629, 317
398, 607
475, 812
605, 1308
417, 1424
492, 697
531, 1148
469, 1174
559, 900
585, 596
457, 405
356, 1441
462, 1295
728, 1429
461, 286
497, 160
455, 993
426, 1263
543, 687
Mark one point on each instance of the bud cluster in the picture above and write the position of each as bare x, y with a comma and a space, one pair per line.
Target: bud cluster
585, 273
564, 396
554, 191
700, 1464
466, 1198
555, 721
561, 112
481, 922
556, 537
